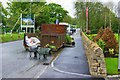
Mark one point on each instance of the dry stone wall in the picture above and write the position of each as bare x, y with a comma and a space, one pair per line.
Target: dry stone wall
95, 57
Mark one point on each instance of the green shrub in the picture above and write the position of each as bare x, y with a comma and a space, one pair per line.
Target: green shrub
8, 37
109, 38
37, 31
91, 36
94, 31
51, 46
101, 43
99, 35
68, 39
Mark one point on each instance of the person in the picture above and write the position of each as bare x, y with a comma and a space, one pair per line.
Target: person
30, 42
33, 44
35, 41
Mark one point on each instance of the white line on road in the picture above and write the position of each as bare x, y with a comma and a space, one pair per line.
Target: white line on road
58, 70
113, 76
77, 74
39, 74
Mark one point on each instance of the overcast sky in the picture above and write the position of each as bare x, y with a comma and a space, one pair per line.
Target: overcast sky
67, 4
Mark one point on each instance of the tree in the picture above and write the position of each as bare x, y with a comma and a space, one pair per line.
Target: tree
56, 12
3, 14
18, 8
70, 20
99, 16
44, 13
67, 19
80, 13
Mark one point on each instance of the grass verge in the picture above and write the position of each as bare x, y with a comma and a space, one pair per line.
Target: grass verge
112, 66
8, 37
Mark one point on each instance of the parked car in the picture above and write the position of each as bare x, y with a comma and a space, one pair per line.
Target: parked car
73, 30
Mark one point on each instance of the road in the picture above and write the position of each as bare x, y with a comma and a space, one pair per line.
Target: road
71, 63
16, 62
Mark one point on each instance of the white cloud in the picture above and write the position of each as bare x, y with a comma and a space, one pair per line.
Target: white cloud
69, 4
4, 3
66, 4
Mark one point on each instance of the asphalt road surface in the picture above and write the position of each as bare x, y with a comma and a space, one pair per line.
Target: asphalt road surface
71, 63
16, 62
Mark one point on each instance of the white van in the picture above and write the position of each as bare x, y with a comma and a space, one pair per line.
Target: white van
68, 27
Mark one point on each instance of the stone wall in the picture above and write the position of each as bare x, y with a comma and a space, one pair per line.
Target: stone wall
95, 57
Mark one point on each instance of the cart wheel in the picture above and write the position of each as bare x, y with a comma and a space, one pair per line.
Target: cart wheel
30, 54
45, 56
39, 56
